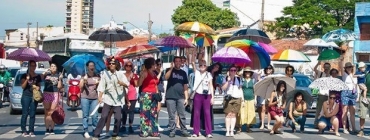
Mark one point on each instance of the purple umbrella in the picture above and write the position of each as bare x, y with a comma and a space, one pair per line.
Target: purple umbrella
173, 41
27, 54
268, 48
231, 55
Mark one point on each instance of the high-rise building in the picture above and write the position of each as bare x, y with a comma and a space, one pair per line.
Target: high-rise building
79, 16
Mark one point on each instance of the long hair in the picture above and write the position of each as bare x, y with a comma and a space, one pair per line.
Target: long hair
295, 99
269, 66
282, 83
210, 68
29, 63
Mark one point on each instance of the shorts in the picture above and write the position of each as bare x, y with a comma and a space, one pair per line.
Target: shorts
364, 109
260, 101
50, 97
232, 106
326, 121
348, 98
362, 86
275, 111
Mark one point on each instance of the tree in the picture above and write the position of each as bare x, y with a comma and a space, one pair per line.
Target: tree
311, 18
162, 35
50, 26
206, 12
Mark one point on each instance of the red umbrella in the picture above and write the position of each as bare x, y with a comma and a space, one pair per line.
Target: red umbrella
138, 50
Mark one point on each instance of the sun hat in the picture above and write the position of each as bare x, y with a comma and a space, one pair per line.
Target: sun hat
361, 65
348, 64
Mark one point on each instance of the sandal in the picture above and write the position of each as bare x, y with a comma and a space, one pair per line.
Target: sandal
272, 132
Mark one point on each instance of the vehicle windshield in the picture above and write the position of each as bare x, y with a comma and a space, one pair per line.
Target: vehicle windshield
13, 72
17, 79
302, 81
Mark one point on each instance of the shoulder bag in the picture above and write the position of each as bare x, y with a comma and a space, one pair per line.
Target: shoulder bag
193, 93
58, 115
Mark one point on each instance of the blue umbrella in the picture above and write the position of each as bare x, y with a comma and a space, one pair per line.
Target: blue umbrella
77, 64
162, 48
340, 35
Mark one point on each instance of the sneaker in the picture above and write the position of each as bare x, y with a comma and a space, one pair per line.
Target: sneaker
345, 131
360, 133
32, 134
47, 132
123, 129
194, 135
209, 136
160, 129
86, 135
116, 138
24, 134
227, 134
95, 138
130, 130
185, 134
232, 134
172, 134
52, 132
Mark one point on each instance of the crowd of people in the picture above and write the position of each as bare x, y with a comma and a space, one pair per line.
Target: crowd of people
116, 90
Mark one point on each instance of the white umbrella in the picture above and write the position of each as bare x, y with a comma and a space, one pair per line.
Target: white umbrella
329, 83
265, 87
317, 42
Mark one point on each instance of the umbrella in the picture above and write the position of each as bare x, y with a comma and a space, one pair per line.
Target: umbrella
203, 40
251, 34
110, 34
188, 37
77, 64
138, 50
260, 58
328, 54
265, 87
290, 56
231, 55
268, 48
173, 41
306, 97
340, 35
59, 60
329, 83
27, 54
195, 27
162, 48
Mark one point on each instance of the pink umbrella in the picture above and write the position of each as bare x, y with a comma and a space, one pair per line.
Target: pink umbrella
27, 54
231, 55
268, 48
174, 41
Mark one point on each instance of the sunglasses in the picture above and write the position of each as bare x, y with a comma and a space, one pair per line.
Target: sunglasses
233, 70
159, 64
128, 65
112, 63
332, 97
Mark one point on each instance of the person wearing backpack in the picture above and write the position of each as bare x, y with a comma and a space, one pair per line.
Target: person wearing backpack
297, 112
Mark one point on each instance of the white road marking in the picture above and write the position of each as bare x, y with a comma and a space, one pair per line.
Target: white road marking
55, 137
79, 113
197, 138
12, 134
331, 137
243, 136
163, 111
287, 136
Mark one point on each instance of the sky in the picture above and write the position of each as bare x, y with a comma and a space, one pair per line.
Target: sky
16, 13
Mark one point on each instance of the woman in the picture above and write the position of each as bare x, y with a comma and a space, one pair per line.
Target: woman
30, 81
328, 115
289, 71
160, 75
233, 99
247, 113
53, 83
131, 97
297, 112
89, 97
349, 97
215, 71
277, 105
203, 99
262, 103
148, 103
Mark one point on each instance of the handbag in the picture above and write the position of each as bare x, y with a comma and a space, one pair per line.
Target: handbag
37, 96
158, 96
58, 115
193, 93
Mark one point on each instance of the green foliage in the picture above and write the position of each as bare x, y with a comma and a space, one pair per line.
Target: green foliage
206, 12
312, 18
162, 35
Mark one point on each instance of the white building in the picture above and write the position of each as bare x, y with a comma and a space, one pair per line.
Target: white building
18, 37
249, 11
79, 16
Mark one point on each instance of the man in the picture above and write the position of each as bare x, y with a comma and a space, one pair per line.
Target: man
176, 96
185, 65
322, 97
112, 86
4, 79
364, 100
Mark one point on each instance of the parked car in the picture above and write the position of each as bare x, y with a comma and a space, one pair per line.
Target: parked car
16, 92
302, 83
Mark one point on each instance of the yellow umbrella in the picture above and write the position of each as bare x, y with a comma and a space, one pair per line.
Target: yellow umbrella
195, 27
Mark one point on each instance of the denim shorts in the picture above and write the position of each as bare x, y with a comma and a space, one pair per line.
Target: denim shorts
325, 120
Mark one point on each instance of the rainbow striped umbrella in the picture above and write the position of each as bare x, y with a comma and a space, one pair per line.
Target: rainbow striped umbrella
203, 40
188, 37
195, 27
260, 58
290, 56
268, 48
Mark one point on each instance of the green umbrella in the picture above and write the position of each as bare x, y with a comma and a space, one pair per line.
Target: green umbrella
306, 97
328, 54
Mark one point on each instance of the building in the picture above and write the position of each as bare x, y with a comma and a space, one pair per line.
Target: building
362, 29
18, 37
249, 11
79, 16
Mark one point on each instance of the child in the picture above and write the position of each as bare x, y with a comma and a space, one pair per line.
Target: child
360, 74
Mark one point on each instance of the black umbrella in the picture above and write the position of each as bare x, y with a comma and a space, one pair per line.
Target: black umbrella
110, 34
251, 34
59, 60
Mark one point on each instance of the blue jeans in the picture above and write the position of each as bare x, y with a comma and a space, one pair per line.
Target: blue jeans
87, 106
28, 108
301, 120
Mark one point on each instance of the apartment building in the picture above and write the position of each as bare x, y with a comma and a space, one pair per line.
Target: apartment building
79, 16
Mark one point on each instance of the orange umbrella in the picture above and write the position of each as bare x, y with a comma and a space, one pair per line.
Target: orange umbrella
138, 50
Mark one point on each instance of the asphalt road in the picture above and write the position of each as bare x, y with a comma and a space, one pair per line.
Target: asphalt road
72, 129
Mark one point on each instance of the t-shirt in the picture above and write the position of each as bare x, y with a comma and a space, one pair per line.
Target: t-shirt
234, 88
51, 83
89, 90
132, 93
175, 84
360, 77
32, 81
206, 77
349, 81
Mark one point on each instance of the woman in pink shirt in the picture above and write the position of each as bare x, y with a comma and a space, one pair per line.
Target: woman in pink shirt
131, 98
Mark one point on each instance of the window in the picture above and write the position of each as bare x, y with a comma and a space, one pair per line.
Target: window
365, 31
21, 36
363, 57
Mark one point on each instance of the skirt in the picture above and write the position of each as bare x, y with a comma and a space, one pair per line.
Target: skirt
50, 97
247, 114
232, 106
275, 111
348, 98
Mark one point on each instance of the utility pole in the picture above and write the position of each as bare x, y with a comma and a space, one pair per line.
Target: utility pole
262, 15
28, 34
37, 35
150, 23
